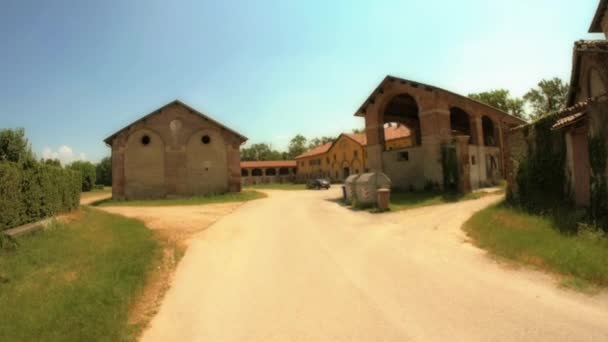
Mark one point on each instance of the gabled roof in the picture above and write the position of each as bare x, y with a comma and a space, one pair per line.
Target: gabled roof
316, 151
582, 47
268, 163
109, 139
596, 24
390, 78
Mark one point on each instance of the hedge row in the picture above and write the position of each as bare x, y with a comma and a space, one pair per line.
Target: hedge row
28, 194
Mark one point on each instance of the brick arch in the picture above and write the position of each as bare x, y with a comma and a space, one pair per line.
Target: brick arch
460, 122
401, 108
488, 129
144, 165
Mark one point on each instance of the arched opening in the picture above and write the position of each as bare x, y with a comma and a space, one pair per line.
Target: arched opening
489, 133
271, 172
256, 172
244, 173
283, 171
459, 122
402, 109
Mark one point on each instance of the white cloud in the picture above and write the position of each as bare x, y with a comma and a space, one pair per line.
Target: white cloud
64, 153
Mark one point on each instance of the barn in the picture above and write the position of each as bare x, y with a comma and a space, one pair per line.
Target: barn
175, 151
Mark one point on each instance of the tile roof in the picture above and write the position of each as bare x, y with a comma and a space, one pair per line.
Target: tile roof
569, 120
268, 163
316, 151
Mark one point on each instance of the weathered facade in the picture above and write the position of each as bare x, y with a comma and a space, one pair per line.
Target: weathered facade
174, 151
583, 123
346, 155
444, 125
272, 171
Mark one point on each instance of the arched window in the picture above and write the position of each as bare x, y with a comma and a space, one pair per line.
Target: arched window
256, 172
459, 122
244, 172
271, 172
489, 133
403, 110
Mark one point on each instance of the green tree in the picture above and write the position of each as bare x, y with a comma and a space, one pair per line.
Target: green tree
501, 99
548, 97
52, 162
87, 170
358, 130
260, 151
15, 147
319, 141
103, 171
297, 146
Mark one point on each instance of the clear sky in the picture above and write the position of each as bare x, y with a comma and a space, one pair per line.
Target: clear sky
73, 72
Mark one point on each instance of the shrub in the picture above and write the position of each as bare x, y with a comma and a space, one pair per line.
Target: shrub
88, 172
31, 193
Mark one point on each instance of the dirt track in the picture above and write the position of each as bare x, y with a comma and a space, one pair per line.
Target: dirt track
298, 267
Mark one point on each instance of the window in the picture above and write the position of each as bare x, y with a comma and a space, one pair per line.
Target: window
472, 160
327, 160
403, 156
145, 140
356, 153
206, 139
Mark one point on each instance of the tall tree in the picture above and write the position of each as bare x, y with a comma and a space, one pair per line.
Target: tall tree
260, 151
319, 141
501, 99
297, 146
548, 97
15, 147
103, 172
87, 169
53, 162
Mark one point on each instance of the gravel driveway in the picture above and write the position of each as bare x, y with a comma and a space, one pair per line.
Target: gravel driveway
298, 267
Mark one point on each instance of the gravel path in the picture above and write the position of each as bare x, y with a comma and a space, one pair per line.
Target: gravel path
298, 267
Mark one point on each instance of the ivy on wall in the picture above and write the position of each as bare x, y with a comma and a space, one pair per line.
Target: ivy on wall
541, 178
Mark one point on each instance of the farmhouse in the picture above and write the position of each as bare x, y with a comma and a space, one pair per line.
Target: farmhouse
456, 141
175, 151
583, 125
271, 171
346, 155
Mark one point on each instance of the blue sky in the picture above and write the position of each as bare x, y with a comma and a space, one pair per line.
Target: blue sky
73, 72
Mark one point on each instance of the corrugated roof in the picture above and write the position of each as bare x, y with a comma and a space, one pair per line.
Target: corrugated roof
268, 163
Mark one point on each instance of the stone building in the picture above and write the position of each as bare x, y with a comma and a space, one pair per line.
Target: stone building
346, 155
584, 118
175, 151
272, 171
443, 125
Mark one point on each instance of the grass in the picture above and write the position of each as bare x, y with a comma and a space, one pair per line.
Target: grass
536, 241
75, 281
243, 196
278, 186
404, 200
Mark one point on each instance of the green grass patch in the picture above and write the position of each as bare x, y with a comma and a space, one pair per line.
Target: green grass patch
278, 186
75, 281
404, 200
243, 196
535, 240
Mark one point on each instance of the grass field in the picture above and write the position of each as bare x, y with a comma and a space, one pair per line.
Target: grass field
243, 196
535, 240
277, 186
75, 281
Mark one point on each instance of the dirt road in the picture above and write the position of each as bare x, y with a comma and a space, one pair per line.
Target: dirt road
299, 267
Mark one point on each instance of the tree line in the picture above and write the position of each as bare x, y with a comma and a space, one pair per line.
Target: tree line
15, 147
297, 145
549, 96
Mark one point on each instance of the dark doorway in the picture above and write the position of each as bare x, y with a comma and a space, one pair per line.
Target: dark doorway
346, 172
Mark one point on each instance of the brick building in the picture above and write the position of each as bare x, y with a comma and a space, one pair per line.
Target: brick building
346, 155
468, 131
175, 151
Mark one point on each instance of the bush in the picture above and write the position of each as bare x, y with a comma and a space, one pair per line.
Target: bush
88, 172
28, 194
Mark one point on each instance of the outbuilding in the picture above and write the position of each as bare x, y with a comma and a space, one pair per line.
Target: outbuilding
175, 151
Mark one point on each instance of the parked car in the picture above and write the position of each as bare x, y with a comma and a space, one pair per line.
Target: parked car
318, 183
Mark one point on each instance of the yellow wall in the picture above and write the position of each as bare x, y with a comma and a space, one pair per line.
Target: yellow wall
345, 153
400, 143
